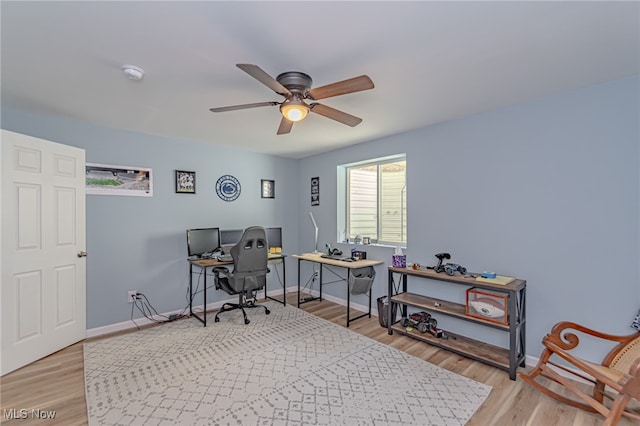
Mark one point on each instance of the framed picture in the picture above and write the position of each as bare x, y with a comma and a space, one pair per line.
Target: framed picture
106, 179
185, 182
315, 191
268, 188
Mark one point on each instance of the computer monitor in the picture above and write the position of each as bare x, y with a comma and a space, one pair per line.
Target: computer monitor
203, 241
274, 239
229, 238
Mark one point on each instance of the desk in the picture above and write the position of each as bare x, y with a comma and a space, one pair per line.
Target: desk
203, 264
317, 258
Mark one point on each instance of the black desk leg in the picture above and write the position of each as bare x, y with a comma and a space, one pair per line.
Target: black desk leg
191, 288
204, 290
320, 285
349, 319
313, 278
203, 320
284, 286
348, 301
299, 282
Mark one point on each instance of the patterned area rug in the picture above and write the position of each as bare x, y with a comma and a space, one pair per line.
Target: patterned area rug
287, 368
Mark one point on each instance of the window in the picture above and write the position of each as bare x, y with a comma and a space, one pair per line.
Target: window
375, 200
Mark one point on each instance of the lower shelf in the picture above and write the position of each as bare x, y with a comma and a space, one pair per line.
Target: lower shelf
465, 346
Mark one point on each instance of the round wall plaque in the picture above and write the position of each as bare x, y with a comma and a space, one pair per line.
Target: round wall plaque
228, 188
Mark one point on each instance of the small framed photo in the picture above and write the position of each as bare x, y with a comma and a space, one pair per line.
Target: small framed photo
268, 188
185, 182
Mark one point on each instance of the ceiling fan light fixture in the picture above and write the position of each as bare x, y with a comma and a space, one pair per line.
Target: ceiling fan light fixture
294, 110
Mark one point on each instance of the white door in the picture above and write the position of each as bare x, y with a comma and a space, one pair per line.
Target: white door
43, 268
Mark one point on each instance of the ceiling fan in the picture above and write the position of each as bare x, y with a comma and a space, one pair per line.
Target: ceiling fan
295, 86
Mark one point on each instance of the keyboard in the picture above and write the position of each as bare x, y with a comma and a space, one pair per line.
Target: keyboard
334, 257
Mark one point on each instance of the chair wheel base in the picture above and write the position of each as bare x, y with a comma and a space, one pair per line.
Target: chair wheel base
246, 321
216, 319
266, 311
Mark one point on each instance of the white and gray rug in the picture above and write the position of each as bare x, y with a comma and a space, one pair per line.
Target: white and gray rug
287, 368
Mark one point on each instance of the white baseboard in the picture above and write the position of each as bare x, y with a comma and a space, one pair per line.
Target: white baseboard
342, 302
128, 325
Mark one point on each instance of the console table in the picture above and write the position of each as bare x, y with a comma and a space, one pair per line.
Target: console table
505, 359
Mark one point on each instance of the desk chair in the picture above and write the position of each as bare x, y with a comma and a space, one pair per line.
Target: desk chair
249, 272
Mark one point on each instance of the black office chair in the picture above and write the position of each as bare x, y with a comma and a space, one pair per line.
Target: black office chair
249, 272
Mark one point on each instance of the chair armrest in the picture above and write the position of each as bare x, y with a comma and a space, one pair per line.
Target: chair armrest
562, 336
220, 269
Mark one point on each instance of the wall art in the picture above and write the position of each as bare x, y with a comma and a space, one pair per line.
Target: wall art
268, 188
228, 188
315, 191
185, 182
106, 179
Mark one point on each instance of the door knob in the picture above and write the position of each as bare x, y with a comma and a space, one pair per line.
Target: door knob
82, 254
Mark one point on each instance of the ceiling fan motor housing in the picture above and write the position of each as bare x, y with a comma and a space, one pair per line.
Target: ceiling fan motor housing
297, 82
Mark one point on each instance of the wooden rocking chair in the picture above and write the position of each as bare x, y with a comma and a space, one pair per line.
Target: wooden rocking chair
619, 371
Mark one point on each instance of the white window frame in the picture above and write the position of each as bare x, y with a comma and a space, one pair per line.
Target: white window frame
342, 191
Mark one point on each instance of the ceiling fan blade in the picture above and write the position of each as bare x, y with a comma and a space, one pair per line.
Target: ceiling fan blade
245, 106
355, 84
264, 78
285, 126
334, 114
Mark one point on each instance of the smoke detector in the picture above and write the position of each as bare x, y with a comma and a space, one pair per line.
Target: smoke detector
132, 72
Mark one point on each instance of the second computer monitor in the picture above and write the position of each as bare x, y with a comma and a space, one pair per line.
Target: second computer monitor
229, 238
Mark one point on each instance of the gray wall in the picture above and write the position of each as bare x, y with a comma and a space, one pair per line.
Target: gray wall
547, 191
139, 243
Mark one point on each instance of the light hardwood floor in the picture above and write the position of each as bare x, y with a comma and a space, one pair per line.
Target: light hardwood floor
56, 383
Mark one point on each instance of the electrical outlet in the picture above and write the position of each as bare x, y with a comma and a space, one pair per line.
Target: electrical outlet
132, 296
